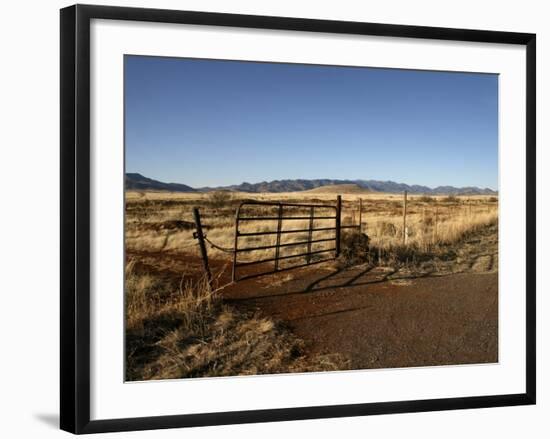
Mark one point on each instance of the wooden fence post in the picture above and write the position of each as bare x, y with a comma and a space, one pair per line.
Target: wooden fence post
338, 224
202, 246
405, 218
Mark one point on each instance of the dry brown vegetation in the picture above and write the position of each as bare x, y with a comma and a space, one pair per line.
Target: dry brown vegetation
184, 330
163, 221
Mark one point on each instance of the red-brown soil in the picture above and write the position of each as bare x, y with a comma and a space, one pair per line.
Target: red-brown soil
378, 323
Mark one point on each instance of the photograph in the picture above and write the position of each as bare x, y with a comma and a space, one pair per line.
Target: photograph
302, 218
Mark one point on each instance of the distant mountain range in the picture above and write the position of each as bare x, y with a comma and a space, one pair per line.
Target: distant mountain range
138, 182
135, 181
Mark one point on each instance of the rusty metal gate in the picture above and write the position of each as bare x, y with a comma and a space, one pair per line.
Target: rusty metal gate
281, 213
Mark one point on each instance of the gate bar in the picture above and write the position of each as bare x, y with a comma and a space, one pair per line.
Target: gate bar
319, 229
273, 218
286, 244
275, 203
287, 231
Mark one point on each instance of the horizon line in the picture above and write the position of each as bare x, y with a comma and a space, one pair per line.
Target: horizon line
310, 179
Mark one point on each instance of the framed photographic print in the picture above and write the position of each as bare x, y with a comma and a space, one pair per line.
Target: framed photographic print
268, 218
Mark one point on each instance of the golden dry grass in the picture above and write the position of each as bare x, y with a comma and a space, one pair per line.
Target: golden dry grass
185, 331
431, 221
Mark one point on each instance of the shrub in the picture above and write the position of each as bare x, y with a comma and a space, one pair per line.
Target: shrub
426, 199
451, 199
354, 248
219, 198
387, 229
346, 220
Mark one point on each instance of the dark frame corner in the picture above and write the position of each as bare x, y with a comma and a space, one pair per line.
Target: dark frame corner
75, 215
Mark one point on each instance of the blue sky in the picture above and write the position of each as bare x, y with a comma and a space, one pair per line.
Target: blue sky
212, 123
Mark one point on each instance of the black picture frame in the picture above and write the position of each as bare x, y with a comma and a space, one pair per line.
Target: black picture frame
75, 217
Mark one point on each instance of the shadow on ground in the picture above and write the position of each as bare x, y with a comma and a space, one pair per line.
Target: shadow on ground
381, 318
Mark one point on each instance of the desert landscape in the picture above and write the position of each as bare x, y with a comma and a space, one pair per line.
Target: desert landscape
415, 291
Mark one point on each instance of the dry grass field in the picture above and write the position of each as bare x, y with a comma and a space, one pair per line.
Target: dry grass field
176, 327
163, 222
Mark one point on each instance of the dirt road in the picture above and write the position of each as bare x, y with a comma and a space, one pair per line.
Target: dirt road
378, 323
380, 318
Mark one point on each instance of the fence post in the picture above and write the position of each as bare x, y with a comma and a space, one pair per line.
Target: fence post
435, 225
360, 215
405, 218
338, 222
202, 246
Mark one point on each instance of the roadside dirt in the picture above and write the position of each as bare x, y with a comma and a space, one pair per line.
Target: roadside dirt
478, 254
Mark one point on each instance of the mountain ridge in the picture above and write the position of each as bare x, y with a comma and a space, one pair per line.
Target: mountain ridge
136, 181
